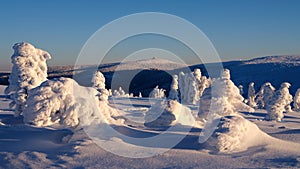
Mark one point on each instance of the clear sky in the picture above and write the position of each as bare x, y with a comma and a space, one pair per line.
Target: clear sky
239, 29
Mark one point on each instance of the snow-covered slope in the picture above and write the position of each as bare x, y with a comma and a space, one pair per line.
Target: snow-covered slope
256, 143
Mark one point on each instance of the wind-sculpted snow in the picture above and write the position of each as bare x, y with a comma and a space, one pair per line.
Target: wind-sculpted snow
168, 113
235, 134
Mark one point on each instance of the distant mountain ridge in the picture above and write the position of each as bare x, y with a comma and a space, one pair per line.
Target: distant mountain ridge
152, 72
287, 59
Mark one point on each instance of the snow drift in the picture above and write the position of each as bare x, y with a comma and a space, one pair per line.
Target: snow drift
235, 134
168, 113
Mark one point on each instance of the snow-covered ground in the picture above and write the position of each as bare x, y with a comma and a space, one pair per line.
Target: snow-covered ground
258, 144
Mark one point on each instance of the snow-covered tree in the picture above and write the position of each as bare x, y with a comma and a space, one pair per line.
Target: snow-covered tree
63, 102
120, 93
222, 98
191, 86
296, 100
98, 82
173, 94
241, 88
205, 83
279, 103
157, 93
251, 95
265, 95
29, 71
193, 93
140, 95
181, 85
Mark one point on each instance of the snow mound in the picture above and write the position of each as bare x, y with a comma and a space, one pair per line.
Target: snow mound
169, 113
235, 134
62, 101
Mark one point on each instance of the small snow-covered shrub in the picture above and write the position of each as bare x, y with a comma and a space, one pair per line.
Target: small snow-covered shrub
120, 93
29, 71
251, 95
241, 88
63, 102
157, 93
173, 94
296, 100
181, 85
98, 82
279, 103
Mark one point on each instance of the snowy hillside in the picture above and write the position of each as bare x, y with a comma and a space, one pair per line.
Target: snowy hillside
154, 63
24, 146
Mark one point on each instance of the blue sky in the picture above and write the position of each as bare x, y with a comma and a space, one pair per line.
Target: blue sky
239, 29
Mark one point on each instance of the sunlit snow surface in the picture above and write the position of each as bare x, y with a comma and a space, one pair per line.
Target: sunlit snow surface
270, 144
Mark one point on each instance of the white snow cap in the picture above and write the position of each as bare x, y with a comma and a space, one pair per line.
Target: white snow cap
29, 71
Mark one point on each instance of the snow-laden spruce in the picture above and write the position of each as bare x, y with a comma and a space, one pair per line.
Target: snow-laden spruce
173, 94
296, 101
251, 95
191, 86
29, 70
264, 96
241, 88
65, 103
157, 93
98, 82
120, 93
222, 98
280, 103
